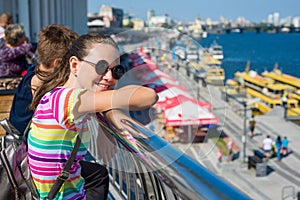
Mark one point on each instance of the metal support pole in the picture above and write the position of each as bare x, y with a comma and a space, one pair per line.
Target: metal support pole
285, 110
244, 140
198, 88
285, 107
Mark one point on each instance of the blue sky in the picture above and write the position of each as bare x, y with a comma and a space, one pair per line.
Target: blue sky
188, 10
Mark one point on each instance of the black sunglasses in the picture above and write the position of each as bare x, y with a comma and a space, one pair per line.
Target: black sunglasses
102, 67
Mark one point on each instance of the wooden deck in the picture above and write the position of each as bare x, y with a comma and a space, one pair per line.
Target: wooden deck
5, 105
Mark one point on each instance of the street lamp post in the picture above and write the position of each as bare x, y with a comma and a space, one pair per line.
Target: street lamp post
199, 79
198, 87
285, 107
244, 140
244, 135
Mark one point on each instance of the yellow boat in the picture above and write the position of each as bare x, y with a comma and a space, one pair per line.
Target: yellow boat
268, 92
251, 79
292, 81
278, 76
215, 74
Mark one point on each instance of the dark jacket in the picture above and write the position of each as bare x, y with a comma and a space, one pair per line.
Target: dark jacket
20, 115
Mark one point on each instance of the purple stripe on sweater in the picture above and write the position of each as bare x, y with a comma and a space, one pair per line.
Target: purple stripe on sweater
44, 101
64, 156
46, 159
45, 155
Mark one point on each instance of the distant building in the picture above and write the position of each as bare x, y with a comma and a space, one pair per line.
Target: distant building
195, 28
112, 17
296, 22
276, 18
270, 19
150, 14
126, 21
159, 20
138, 24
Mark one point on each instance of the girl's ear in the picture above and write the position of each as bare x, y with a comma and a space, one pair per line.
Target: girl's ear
74, 65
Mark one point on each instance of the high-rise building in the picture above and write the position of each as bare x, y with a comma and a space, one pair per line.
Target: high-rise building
150, 14
296, 22
276, 18
270, 19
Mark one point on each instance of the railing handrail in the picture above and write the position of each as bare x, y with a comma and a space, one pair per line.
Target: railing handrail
184, 177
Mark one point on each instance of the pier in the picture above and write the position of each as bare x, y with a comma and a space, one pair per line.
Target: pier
282, 178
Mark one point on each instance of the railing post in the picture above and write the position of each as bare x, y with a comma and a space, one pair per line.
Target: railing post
245, 131
285, 107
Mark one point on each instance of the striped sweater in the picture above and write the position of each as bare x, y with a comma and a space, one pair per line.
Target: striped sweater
51, 141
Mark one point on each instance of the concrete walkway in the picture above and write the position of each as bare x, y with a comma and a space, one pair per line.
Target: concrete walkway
283, 178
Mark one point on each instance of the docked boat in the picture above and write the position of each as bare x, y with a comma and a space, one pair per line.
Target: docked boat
268, 94
216, 51
215, 74
292, 81
280, 77
193, 52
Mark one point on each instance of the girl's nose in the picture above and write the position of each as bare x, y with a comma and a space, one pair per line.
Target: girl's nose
108, 75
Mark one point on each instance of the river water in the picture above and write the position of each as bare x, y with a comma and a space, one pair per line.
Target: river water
263, 50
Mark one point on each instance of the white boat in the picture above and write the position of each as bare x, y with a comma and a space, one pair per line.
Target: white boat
192, 52
216, 51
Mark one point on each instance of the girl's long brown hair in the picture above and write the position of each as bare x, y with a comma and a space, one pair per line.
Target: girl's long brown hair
80, 48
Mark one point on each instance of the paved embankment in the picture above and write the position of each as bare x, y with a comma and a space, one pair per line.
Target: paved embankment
283, 177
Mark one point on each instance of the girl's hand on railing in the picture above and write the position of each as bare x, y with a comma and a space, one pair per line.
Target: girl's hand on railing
117, 118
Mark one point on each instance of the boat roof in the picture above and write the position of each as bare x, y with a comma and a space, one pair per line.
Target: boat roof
231, 82
208, 59
263, 97
284, 78
292, 101
255, 79
278, 86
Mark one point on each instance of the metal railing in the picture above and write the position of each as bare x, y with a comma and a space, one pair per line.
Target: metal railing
147, 167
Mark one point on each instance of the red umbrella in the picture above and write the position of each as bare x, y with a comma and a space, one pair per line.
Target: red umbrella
177, 100
173, 92
151, 74
188, 113
161, 87
163, 80
141, 65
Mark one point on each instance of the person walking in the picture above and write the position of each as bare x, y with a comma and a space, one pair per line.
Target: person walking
219, 156
252, 124
285, 144
229, 150
267, 146
278, 144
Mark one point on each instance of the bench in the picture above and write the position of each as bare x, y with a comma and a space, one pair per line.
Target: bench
258, 161
258, 157
5, 104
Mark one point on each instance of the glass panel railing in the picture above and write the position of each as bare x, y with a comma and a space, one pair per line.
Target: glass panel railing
147, 167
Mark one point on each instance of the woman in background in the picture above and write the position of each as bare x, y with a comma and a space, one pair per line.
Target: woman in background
5, 19
14, 50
